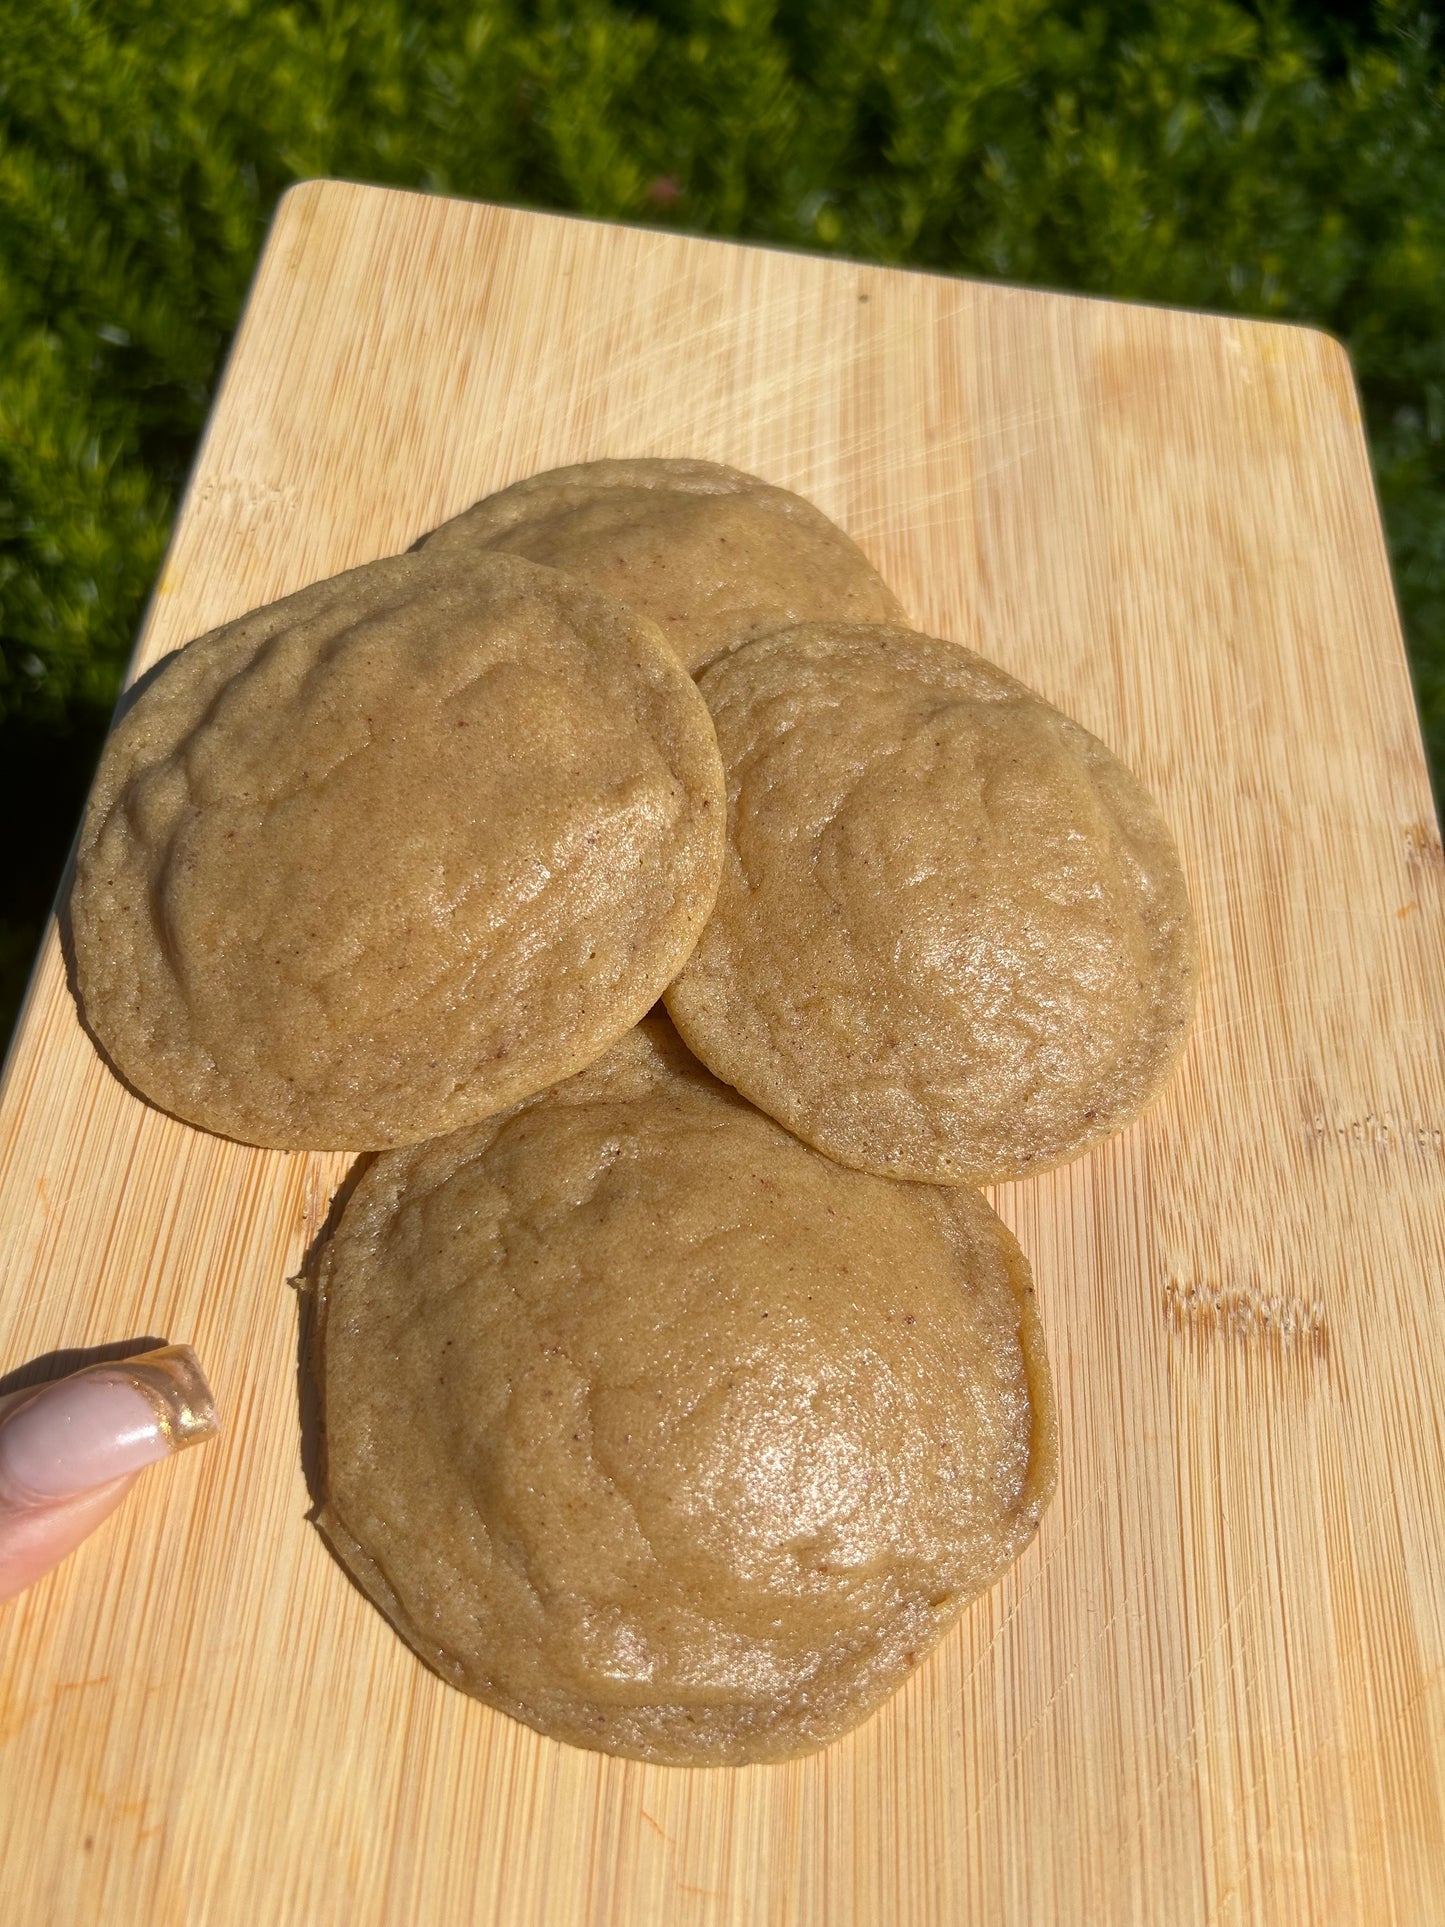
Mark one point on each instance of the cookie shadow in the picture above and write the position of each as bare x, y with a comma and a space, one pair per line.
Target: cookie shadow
310, 1406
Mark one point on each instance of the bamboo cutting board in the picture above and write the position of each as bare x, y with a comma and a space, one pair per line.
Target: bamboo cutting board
1214, 1689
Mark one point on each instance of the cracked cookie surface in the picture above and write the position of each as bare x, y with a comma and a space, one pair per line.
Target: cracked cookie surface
711, 554
394, 852
652, 1427
952, 940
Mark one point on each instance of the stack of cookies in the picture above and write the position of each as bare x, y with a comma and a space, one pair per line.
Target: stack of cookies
680, 1386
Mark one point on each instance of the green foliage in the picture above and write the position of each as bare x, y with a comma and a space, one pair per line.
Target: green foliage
1250, 158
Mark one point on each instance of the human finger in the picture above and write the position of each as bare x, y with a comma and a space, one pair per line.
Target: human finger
71, 1449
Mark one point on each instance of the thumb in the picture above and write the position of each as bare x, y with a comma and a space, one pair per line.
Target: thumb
71, 1450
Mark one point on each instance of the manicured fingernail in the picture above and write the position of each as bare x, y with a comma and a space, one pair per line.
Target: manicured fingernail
103, 1422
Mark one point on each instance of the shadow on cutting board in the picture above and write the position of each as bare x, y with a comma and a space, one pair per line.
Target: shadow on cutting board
74, 1358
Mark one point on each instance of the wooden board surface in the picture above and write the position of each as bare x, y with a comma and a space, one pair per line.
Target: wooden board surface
1214, 1689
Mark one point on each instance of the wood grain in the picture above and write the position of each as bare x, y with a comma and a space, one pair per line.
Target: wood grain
1214, 1690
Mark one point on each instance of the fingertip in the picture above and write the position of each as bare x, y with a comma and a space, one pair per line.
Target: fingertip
71, 1449
73, 1434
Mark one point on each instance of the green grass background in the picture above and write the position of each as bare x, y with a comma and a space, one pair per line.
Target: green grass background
1285, 160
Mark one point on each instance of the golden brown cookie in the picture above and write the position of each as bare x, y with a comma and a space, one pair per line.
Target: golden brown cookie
952, 940
394, 852
657, 1430
711, 554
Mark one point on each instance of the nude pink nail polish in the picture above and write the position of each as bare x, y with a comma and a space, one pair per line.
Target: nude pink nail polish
103, 1422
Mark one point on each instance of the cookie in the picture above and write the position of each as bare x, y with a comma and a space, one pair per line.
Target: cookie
388, 855
952, 940
710, 554
655, 1429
